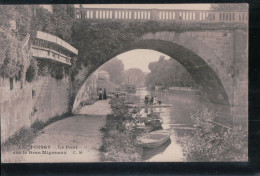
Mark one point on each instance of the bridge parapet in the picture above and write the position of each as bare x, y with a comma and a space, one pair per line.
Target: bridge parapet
208, 16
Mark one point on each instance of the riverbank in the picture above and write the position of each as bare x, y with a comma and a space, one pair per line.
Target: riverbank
25, 136
118, 141
73, 139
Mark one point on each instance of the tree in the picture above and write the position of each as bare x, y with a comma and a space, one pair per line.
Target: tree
227, 7
135, 76
115, 68
168, 73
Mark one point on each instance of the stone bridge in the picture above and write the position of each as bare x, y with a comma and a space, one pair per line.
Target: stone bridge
211, 45
215, 58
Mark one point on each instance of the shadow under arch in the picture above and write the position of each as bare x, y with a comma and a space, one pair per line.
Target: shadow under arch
208, 81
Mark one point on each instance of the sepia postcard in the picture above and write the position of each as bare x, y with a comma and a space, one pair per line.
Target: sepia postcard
124, 83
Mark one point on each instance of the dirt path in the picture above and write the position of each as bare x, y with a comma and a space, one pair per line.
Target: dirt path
101, 107
73, 139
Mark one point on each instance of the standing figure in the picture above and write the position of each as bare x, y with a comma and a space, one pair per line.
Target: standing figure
105, 94
100, 94
155, 100
146, 99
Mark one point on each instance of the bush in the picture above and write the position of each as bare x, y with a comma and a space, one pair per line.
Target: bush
212, 143
32, 71
43, 68
57, 71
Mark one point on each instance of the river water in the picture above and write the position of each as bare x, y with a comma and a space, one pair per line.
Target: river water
177, 118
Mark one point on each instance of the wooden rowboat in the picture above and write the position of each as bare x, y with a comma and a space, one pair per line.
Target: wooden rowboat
153, 139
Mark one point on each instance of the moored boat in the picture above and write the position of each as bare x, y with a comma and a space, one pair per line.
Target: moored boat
153, 139
154, 115
154, 122
150, 106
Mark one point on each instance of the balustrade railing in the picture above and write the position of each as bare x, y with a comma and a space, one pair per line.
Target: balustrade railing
162, 15
47, 46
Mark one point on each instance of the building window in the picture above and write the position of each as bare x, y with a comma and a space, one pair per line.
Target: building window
11, 83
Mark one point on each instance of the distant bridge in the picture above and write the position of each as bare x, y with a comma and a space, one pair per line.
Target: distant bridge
208, 16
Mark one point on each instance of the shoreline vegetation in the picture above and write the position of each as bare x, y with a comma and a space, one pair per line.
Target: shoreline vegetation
118, 141
25, 135
209, 142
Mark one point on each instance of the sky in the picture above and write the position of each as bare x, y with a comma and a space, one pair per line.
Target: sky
150, 6
140, 58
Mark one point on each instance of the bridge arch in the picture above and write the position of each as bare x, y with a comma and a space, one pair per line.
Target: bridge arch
192, 53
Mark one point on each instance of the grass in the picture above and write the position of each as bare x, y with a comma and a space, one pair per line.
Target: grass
25, 136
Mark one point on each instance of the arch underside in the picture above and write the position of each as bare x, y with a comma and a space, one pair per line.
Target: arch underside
205, 77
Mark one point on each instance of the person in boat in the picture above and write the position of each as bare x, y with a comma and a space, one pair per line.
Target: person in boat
151, 100
146, 99
105, 94
100, 93
155, 100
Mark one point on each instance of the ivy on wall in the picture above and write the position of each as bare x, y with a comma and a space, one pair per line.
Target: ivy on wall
12, 57
32, 71
96, 39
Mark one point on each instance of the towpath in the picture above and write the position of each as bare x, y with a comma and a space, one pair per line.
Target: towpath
73, 139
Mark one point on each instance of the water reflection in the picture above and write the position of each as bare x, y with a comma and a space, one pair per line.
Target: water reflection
177, 119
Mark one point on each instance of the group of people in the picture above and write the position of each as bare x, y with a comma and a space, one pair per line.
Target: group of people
151, 100
102, 95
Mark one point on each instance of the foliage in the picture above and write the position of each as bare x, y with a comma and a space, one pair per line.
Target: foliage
12, 57
43, 67
135, 76
32, 71
99, 41
58, 23
21, 14
118, 141
56, 70
213, 143
228, 7
168, 73
115, 68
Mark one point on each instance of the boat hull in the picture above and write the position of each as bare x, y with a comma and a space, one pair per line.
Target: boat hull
153, 139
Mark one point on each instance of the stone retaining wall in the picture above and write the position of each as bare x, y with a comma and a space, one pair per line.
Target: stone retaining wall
23, 105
